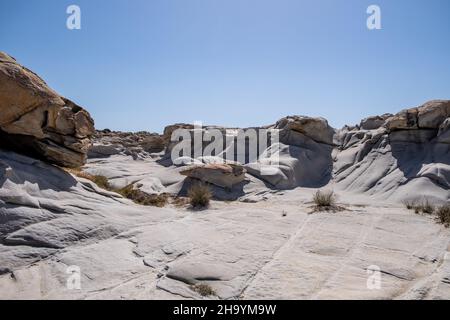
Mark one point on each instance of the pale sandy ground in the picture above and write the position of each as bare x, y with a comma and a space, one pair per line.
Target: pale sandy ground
253, 251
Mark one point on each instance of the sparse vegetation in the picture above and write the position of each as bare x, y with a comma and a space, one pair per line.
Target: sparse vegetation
203, 289
180, 201
199, 195
324, 199
142, 198
420, 207
443, 214
99, 180
129, 192
426, 207
410, 204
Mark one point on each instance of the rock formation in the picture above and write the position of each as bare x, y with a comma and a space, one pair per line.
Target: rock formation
387, 156
222, 175
137, 145
407, 157
36, 120
271, 246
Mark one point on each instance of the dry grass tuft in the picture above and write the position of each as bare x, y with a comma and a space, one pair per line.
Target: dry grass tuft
100, 181
180, 202
324, 198
410, 204
199, 195
142, 198
443, 214
203, 289
420, 207
326, 201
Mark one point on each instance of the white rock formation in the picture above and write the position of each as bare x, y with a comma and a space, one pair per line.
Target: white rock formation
269, 244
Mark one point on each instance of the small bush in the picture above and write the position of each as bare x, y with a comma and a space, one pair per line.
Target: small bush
142, 198
324, 199
443, 214
203, 289
199, 195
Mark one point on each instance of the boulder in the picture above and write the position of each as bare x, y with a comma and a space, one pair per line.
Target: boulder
222, 175
153, 144
404, 120
168, 130
428, 116
315, 128
375, 122
432, 114
444, 132
35, 120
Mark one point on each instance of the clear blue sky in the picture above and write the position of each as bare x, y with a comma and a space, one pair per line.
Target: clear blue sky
143, 64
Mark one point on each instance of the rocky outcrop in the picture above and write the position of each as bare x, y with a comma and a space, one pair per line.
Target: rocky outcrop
315, 128
224, 175
137, 145
43, 208
375, 122
428, 116
407, 158
390, 156
51, 220
35, 120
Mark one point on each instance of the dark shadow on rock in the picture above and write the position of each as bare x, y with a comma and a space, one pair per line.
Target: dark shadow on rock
411, 156
315, 167
165, 160
20, 169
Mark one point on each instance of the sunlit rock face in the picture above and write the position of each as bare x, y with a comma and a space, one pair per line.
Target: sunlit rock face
37, 121
407, 157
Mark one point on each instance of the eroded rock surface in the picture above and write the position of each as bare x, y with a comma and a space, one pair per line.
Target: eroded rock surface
407, 158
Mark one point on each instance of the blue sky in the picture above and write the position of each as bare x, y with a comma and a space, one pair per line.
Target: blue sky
144, 64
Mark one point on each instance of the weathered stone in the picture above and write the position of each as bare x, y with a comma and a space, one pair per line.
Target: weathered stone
314, 128
406, 119
375, 122
222, 175
432, 114
35, 120
428, 116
